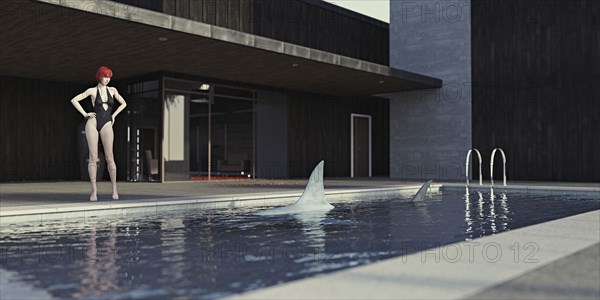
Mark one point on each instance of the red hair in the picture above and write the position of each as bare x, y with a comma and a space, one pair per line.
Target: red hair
103, 72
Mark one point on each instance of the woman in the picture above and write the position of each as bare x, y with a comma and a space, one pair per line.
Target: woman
100, 123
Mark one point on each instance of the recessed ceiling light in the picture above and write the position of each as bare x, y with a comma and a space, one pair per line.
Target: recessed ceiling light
163, 39
381, 81
295, 65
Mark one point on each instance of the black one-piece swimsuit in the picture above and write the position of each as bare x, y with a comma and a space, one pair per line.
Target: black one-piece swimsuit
103, 116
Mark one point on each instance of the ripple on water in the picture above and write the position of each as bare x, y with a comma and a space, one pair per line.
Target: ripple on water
212, 254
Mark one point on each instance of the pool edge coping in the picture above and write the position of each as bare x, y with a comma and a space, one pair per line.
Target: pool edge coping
90, 209
47, 212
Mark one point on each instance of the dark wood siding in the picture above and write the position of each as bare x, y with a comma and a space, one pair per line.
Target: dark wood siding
319, 26
319, 129
155, 5
536, 91
39, 130
309, 23
39, 140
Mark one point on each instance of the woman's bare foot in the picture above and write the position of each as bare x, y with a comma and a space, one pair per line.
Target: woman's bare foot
93, 197
115, 195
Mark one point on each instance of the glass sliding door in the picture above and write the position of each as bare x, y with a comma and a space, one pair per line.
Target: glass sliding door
185, 129
208, 131
232, 137
199, 119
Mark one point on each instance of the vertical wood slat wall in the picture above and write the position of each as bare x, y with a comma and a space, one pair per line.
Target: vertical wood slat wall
232, 14
319, 129
30, 146
294, 21
39, 130
536, 92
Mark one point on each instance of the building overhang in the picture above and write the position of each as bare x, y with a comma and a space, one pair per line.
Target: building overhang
66, 40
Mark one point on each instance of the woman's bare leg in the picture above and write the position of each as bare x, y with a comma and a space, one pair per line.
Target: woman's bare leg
91, 135
107, 136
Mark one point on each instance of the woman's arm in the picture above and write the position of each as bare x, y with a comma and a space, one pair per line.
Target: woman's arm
75, 102
121, 101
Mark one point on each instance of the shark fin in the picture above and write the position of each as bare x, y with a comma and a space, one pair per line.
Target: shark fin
420, 195
312, 199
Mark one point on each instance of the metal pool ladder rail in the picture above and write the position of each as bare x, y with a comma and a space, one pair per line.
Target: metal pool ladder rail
467, 166
492, 165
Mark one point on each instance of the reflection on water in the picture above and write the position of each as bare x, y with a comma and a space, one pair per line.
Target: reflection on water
491, 214
100, 271
313, 227
215, 253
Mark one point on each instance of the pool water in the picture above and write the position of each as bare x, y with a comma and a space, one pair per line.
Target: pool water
215, 253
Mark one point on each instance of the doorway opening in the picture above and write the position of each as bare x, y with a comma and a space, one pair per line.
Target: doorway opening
360, 146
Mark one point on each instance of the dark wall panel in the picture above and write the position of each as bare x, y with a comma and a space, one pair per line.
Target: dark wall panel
245, 24
196, 10
319, 129
322, 26
39, 126
309, 23
155, 5
536, 92
182, 8
39, 130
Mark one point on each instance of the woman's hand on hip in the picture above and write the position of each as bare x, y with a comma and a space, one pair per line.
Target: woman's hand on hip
91, 115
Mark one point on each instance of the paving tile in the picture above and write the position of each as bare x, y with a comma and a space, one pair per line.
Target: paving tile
576, 276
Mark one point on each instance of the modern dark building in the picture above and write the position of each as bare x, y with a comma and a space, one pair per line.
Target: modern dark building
523, 76
267, 88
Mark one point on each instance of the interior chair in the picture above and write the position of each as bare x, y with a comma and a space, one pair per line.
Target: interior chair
151, 166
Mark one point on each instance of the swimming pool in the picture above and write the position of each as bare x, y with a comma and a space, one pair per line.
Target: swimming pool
215, 253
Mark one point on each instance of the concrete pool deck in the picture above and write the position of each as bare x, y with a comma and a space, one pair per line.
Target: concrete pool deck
566, 262
42, 201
